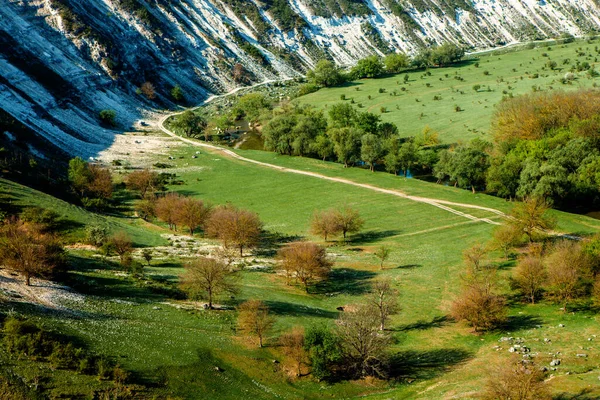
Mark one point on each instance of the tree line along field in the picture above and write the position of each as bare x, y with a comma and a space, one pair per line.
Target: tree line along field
433, 97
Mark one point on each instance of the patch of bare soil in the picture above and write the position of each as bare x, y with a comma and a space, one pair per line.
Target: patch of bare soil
139, 149
42, 292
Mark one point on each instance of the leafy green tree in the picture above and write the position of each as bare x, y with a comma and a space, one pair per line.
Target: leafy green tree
368, 122
422, 59
80, 175
107, 117
369, 67
322, 146
325, 74
503, 175
371, 150
277, 134
324, 350
531, 217
407, 156
395, 62
343, 115
447, 53
310, 124
252, 106
189, 123
346, 144
177, 93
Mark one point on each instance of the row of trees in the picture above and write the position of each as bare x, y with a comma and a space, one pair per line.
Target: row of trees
327, 74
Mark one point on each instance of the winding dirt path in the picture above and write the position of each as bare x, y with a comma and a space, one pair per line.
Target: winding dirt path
442, 204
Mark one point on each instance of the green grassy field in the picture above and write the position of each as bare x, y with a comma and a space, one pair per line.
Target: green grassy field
508, 72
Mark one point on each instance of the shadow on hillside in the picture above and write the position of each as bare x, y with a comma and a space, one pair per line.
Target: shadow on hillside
271, 241
517, 322
584, 394
344, 281
427, 364
372, 236
297, 310
421, 325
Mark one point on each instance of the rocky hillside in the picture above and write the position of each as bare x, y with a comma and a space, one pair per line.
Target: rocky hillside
62, 61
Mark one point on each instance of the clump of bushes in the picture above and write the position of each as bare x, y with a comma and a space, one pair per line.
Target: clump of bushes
107, 117
25, 339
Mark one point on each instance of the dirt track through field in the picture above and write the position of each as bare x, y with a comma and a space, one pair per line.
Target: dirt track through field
442, 204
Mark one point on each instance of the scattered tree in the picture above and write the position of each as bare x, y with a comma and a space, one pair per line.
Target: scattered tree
475, 256
147, 255
189, 123
530, 276
323, 224
384, 299
122, 245
144, 181
382, 253
506, 237
234, 227
531, 217
177, 93
166, 209
324, 350
516, 380
364, 346
306, 261
206, 278
28, 251
293, 346
191, 213
254, 319
148, 90
107, 117
348, 220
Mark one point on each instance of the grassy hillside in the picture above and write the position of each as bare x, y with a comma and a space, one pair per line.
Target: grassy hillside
412, 105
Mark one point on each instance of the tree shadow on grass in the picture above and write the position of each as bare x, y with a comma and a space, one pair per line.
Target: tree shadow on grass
426, 364
518, 322
408, 266
282, 308
421, 325
344, 281
271, 241
372, 236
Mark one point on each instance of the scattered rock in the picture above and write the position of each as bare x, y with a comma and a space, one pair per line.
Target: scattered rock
582, 355
554, 362
340, 308
543, 369
546, 340
156, 308
218, 369
561, 325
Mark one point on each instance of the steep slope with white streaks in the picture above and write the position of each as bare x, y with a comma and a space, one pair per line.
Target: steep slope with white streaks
62, 61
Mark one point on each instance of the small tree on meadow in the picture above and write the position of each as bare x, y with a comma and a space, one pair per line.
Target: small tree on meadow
348, 220
384, 299
364, 346
475, 256
506, 237
382, 253
568, 271
478, 303
514, 380
531, 217
191, 213
166, 209
122, 245
147, 255
234, 227
144, 181
306, 261
25, 249
206, 278
293, 346
254, 319
530, 276
323, 223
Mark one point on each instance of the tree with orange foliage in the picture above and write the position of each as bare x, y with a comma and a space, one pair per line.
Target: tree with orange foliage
148, 90
306, 261
166, 209
234, 227
292, 345
28, 251
191, 213
143, 181
254, 319
323, 224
